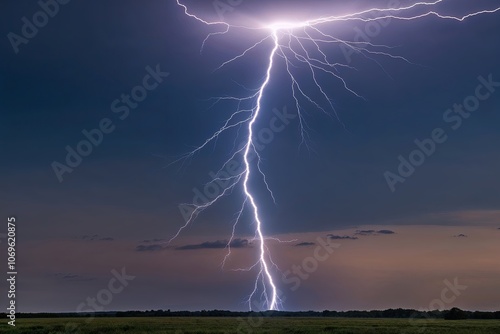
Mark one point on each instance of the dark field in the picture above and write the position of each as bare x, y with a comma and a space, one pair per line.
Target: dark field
249, 326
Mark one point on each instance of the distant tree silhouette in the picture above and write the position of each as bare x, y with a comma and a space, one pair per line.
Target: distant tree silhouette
455, 314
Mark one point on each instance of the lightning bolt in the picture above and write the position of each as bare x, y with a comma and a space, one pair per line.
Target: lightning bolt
301, 44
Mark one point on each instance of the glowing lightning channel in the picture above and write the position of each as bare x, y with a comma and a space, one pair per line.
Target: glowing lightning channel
250, 144
297, 43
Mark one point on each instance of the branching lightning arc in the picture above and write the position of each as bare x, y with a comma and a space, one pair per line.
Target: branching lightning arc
301, 43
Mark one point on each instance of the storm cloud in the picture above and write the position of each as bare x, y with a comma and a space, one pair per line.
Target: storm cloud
373, 232
341, 237
305, 244
219, 244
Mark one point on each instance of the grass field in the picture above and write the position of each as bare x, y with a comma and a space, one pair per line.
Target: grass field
249, 326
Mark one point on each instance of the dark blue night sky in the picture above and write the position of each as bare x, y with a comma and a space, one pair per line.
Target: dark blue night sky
65, 79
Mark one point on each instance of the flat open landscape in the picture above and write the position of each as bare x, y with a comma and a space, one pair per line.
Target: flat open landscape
250, 326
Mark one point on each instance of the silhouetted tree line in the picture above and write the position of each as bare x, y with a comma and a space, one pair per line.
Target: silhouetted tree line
453, 314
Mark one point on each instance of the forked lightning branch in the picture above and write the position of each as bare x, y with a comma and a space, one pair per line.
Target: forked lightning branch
298, 46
